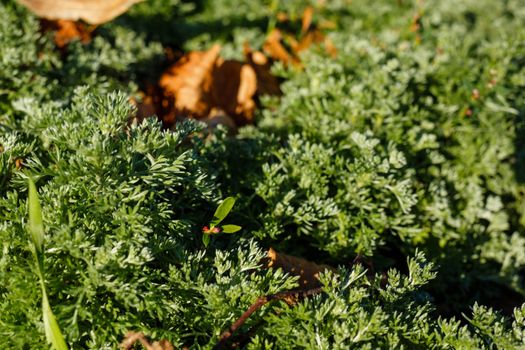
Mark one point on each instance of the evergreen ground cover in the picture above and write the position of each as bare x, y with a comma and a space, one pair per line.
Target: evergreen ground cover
400, 161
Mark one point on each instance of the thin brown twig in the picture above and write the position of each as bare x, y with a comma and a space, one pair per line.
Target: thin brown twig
288, 296
240, 340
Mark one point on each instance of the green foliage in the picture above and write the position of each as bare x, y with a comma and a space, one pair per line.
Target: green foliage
32, 68
391, 146
123, 206
231, 228
409, 141
356, 312
222, 211
36, 228
220, 214
52, 330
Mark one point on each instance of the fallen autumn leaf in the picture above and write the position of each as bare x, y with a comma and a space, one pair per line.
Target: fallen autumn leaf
90, 11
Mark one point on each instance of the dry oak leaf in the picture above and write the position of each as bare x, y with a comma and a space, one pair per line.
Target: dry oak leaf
189, 81
267, 84
307, 271
234, 85
202, 81
90, 11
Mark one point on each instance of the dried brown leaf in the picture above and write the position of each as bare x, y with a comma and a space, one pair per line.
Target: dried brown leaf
330, 48
276, 50
66, 31
189, 82
90, 11
312, 37
267, 84
234, 85
132, 337
308, 15
202, 81
307, 271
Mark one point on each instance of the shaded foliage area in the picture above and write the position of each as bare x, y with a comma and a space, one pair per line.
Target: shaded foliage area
391, 146
409, 141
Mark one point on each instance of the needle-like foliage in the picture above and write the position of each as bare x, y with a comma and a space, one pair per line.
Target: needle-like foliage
405, 151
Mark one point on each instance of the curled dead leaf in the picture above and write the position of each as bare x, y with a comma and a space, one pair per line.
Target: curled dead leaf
275, 49
267, 84
276, 42
312, 37
234, 85
307, 271
190, 80
90, 11
308, 15
203, 81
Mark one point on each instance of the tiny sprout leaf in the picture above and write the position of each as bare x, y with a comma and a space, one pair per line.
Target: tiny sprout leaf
222, 211
205, 239
36, 228
52, 330
230, 228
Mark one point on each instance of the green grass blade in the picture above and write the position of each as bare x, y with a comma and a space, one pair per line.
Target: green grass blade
230, 228
36, 227
53, 334
222, 211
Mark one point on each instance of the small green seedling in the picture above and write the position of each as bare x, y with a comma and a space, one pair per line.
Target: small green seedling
36, 229
222, 211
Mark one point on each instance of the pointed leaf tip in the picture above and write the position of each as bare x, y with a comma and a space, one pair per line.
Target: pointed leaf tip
53, 334
36, 227
205, 239
222, 211
230, 228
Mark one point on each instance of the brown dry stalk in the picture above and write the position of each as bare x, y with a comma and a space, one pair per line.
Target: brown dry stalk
290, 297
308, 273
